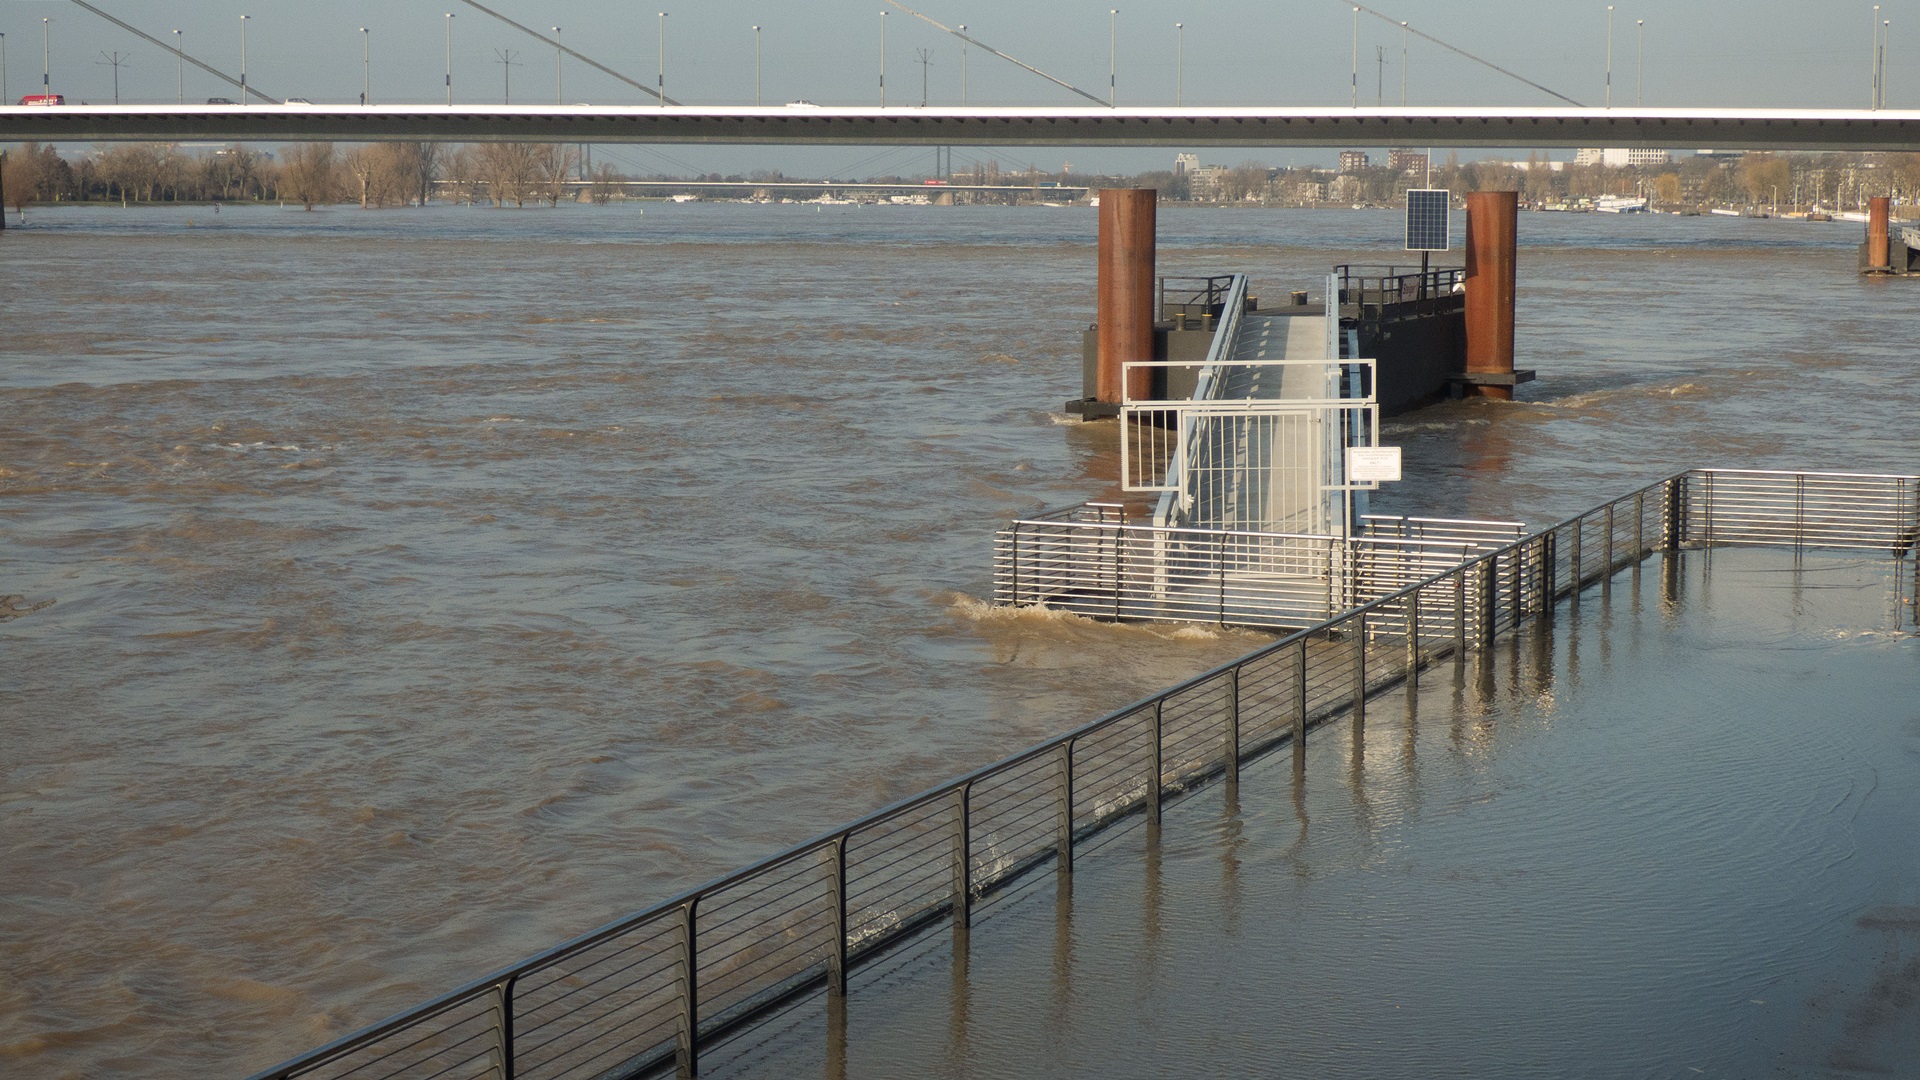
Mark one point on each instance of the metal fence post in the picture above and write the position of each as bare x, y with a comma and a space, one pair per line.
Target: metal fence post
1013, 578
1576, 561
1799, 510
1232, 750
1489, 600
503, 1028
1220, 569
963, 859
1460, 615
1360, 670
1606, 581
1672, 528
1413, 634
1063, 840
1153, 780
1300, 709
837, 954
687, 1037
1639, 525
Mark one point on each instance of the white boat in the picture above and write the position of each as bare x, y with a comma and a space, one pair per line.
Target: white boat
1620, 204
1722, 212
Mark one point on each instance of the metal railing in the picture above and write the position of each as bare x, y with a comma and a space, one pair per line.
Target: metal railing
1090, 560
660, 990
1195, 300
1378, 285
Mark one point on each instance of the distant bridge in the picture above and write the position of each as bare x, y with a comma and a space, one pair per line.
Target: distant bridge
1730, 129
737, 187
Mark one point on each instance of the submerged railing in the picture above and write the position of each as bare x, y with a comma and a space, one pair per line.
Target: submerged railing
664, 988
1091, 560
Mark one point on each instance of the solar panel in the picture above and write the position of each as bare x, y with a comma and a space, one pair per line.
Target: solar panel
1428, 220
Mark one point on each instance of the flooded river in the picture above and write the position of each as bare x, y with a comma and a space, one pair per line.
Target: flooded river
399, 593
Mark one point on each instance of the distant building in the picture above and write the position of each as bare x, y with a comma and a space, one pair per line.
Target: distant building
1206, 183
1624, 157
1405, 162
1352, 161
1186, 164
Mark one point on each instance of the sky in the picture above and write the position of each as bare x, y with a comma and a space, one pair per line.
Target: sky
1807, 53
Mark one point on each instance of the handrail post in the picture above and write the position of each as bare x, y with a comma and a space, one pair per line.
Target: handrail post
1360, 671
963, 859
1489, 601
1063, 839
1300, 710
1232, 754
1413, 634
687, 1036
1672, 529
1013, 583
1460, 615
1639, 525
1220, 568
1606, 582
503, 1028
1153, 780
1576, 563
837, 954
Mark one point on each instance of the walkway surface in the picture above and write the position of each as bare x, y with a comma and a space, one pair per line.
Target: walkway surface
1668, 833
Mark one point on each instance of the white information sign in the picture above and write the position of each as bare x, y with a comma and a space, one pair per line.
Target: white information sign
1373, 464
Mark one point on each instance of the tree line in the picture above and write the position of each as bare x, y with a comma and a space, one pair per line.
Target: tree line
310, 174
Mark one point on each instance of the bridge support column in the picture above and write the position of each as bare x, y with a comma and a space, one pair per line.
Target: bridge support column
1493, 230
1879, 209
1124, 324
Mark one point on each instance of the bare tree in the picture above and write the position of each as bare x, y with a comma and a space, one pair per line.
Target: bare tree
553, 163
361, 163
310, 173
510, 170
26, 173
604, 179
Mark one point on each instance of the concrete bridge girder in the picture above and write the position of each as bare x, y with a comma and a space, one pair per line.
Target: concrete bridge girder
1739, 129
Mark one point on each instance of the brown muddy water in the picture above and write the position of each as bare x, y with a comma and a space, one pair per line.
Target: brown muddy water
400, 593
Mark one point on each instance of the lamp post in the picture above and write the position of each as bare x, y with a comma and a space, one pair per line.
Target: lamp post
449, 58
1353, 100
1179, 62
3, 70
46, 55
1609, 56
559, 76
756, 65
1639, 62
662, 36
180, 55
963, 63
1403, 65
366, 67
243, 58
1873, 63
1113, 50
1886, 32
883, 59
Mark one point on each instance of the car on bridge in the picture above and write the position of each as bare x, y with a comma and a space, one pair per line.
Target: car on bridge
44, 99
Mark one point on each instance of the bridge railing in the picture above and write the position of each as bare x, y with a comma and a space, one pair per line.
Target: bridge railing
667, 987
1381, 285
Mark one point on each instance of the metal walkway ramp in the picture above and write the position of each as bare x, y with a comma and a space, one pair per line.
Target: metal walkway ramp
1260, 444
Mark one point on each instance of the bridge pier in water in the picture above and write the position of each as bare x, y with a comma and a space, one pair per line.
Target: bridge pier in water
1124, 323
1493, 227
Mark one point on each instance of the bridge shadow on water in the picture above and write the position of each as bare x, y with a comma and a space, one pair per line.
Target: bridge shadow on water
1670, 830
